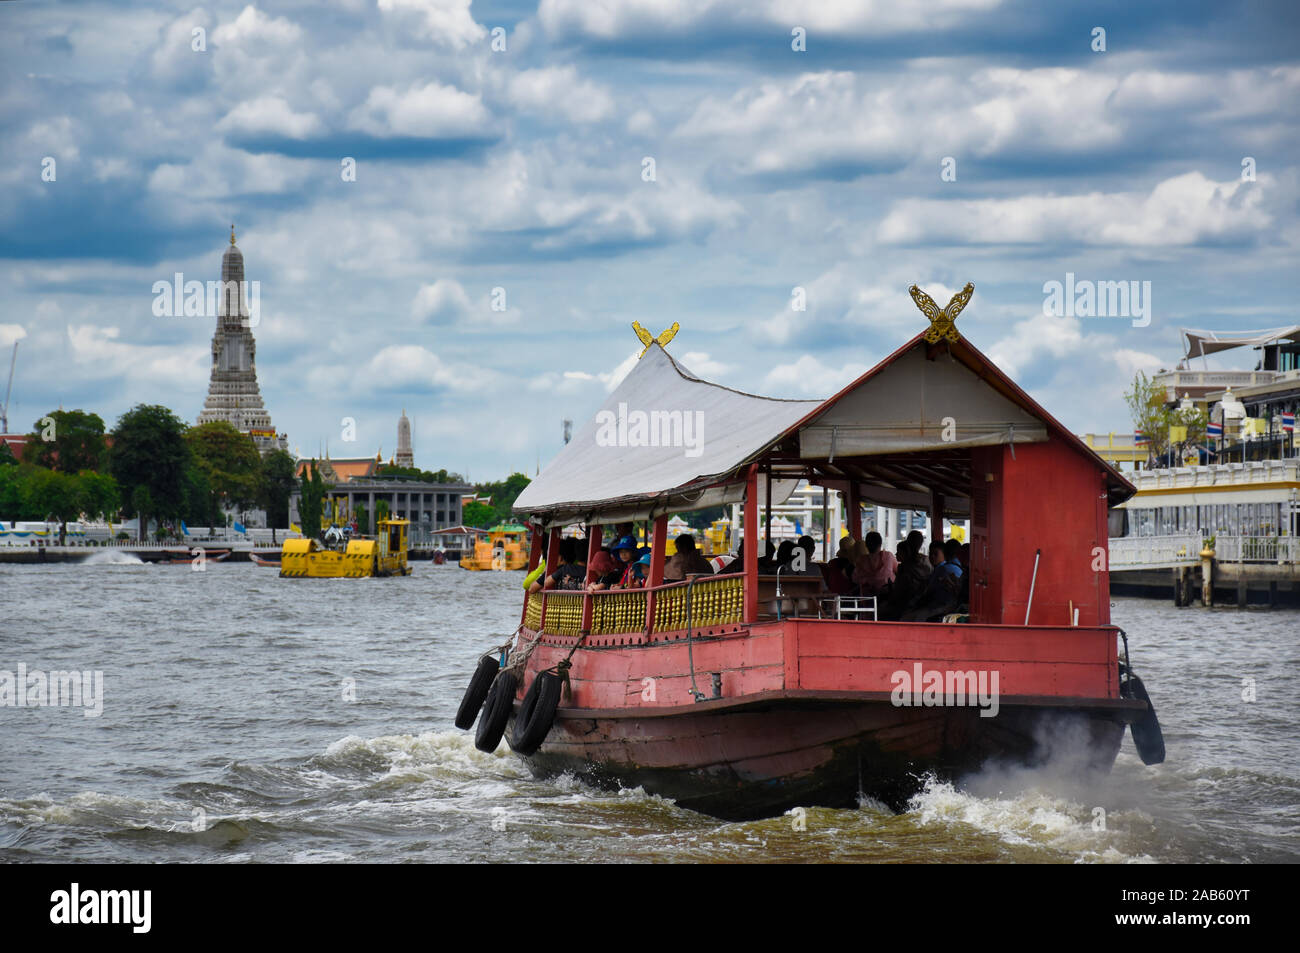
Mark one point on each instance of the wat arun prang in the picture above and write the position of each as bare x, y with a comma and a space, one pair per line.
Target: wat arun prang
233, 394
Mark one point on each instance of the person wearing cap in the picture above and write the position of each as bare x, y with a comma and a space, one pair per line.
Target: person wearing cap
625, 552
686, 562
640, 569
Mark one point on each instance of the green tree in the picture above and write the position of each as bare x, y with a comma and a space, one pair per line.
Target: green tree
230, 461
276, 487
68, 441
6, 455
98, 494
149, 453
13, 503
362, 517
1155, 418
56, 496
477, 514
311, 501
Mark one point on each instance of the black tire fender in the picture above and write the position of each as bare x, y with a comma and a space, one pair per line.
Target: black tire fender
537, 713
472, 702
496, 711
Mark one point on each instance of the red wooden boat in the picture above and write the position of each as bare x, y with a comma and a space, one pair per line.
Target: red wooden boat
266, 558
741, 695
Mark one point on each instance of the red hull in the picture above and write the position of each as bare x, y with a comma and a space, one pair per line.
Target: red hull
806, 715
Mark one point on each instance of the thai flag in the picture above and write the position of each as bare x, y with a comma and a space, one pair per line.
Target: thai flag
1288, 423
1214, 430
1139, 438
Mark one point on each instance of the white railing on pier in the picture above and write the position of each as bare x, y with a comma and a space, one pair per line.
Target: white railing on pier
1156, 552
1150, 552
1279, 550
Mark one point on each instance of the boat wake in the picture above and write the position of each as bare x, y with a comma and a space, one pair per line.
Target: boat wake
113, 558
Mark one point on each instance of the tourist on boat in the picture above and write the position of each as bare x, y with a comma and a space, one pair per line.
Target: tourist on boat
569, 574
874, 570
725, 562
767, 562
604, 571
809, 547
687, 561
625, 551
640, 570
942, 590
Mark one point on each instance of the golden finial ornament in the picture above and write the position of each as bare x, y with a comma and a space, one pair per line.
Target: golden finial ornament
942, 322
232, 233
664, 336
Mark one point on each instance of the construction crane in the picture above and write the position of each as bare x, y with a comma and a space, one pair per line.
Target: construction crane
4, 408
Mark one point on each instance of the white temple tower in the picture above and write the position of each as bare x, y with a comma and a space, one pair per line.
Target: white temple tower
233, 394
404, 457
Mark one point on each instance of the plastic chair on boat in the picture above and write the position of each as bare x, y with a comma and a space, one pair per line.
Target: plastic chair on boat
854, 607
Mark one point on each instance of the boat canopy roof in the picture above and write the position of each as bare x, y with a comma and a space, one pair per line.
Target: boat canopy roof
667, 441
1210, 342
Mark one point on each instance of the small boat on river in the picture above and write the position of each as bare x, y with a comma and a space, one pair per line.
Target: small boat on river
747, 693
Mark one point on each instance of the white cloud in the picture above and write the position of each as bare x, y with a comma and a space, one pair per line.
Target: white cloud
558, 91
9, 333
699, 362
809, 377
253, 26
412, 367
1056, 336
444, 300
432, 110
1183, 210
270, 115
446, 22
612, 19
98, 352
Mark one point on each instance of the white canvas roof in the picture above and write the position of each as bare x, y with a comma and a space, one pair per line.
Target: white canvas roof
665, 441
657, 441
1210, 342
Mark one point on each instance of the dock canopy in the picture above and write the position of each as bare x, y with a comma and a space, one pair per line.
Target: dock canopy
666, 441
1200, 343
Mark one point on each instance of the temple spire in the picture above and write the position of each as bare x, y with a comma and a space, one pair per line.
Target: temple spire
232, 233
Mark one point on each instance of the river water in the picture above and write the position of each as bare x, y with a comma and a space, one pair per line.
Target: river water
251, 718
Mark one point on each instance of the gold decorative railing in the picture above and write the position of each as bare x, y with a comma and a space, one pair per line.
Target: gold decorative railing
563, 613
713, 602
533, 613
616, 612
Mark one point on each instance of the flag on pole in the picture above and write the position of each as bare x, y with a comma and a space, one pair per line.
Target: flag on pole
185, 530
239, 527
1213, 430
1139, 438
1288, 423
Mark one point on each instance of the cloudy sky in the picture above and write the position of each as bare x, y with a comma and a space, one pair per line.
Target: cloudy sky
525, 169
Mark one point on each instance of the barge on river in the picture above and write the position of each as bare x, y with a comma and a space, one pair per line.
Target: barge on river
742, 695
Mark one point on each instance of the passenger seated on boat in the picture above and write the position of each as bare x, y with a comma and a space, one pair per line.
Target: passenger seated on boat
809, 547
640, 570
767, 562
569, 574
728, 563
603, 572
625, 552
941, 591
910, 578
687, 561
875, 569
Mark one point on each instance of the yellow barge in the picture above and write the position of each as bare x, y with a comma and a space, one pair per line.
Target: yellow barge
501, 548
381, 555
